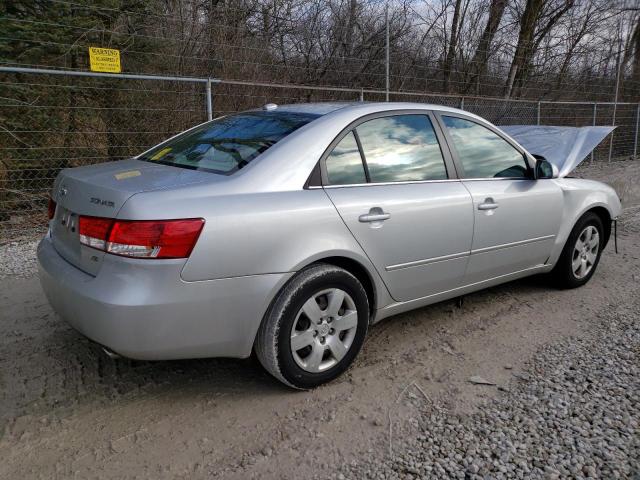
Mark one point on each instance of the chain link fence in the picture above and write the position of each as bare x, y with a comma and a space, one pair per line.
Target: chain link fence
50, 120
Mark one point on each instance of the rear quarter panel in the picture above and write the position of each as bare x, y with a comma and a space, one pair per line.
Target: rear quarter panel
257, 233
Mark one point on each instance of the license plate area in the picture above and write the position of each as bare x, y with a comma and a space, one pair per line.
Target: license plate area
65, 234
66, 226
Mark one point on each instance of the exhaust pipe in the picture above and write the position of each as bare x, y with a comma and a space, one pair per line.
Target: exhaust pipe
110, 353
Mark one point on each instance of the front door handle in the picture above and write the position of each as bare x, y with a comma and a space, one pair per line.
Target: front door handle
376, 214
488, 204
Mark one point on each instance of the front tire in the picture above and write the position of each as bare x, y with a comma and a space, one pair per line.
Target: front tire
314, 328
581, 254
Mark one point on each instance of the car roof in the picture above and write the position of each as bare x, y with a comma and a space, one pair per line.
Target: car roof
323, 108
318, 108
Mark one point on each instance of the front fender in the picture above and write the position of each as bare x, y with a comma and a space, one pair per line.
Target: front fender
580, 196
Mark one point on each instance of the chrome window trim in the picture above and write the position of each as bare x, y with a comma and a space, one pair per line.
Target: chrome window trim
493, 179
409, 182
406, 182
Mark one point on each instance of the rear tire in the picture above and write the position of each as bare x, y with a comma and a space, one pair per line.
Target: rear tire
314, 328
581, 253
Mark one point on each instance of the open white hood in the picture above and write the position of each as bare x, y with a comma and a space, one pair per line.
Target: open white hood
565, 147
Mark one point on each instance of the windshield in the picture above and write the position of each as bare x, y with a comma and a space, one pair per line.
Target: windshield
227, 144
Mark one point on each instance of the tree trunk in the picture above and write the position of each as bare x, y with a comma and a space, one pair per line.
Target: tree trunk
481, 55
635, 44
530, 38
525, 42
351, 23
569, 55
453, 46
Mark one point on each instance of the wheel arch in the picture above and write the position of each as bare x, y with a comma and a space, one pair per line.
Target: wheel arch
574, 211
359, 271
374, 287
605, 217
560, 275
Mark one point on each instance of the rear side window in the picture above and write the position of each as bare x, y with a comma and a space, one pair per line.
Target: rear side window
227, 144
401, 148
483, 153
344, 164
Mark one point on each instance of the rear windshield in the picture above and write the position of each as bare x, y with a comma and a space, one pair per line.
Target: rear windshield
227, 144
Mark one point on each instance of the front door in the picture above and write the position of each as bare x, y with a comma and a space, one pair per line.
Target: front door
516, 217
389, 181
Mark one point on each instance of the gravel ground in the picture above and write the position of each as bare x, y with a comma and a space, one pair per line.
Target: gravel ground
17, 258
574, 412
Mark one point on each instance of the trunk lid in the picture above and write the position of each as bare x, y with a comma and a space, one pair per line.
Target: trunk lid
101, 191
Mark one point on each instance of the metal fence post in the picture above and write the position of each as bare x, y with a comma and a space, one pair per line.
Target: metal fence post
461, 103
209, 101
595, 113
386, 20
619, 68
538, 114
362, 94
613, 123
635, 141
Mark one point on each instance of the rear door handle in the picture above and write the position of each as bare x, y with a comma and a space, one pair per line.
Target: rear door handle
488, 204
374, 217
376, 214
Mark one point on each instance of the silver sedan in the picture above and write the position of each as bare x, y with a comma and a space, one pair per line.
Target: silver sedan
289, 230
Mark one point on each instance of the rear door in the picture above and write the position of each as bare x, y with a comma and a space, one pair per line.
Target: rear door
398, 194
516, 216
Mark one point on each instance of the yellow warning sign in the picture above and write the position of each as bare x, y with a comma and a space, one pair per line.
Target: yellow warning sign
104, 60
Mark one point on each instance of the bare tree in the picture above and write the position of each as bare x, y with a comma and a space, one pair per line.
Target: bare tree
537, 20
481, 56
452, 46
632, 54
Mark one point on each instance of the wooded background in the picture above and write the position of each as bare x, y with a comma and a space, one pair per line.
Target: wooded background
503, 56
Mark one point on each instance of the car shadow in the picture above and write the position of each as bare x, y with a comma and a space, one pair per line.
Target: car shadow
63, 370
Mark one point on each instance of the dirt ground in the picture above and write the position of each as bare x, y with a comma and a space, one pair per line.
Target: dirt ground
66, 410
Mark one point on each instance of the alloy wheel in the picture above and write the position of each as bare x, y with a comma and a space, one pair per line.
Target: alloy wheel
324, 330
585, 252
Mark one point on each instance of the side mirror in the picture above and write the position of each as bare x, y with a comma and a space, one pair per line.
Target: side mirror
544, 168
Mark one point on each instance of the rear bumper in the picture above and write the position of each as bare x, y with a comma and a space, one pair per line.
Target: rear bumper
142, 309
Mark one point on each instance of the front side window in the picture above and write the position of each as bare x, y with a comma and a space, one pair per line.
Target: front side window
344, 164
483, 153
227, 144
401, 148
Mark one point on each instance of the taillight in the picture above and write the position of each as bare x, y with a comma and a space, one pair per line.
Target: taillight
155, 239
52, 208
141, 238
94, 231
